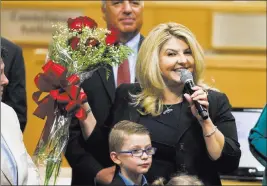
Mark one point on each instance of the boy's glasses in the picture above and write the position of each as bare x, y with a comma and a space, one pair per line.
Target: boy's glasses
139, 152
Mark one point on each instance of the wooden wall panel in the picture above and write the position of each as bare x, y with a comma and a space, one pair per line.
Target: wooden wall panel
242, 78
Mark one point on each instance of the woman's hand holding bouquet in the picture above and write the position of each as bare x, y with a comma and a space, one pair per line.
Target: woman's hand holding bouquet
78, 49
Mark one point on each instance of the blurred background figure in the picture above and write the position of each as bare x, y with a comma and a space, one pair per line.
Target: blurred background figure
14, 93
179, 179
258, 141
17, 167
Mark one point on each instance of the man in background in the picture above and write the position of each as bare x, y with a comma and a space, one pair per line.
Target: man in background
86, 162
14, 93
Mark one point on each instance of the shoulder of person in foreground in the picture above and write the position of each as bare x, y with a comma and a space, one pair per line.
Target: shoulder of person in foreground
258, 138
10, 124
260, 126
33, 173
8, 116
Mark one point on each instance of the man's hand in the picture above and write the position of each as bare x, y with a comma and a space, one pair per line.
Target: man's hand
106, 175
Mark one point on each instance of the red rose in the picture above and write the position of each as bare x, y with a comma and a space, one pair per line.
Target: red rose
92, 41
74, 42
113, 37
79, 22
87, 21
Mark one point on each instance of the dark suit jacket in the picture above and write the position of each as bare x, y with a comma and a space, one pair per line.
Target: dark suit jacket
181, 148
86, 162
15, 93
117, 181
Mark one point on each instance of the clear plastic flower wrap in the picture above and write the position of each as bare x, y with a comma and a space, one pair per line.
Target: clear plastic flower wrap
77, 50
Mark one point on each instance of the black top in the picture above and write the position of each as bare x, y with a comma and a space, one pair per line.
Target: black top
180, 145
166, 150
172, 118
166, 144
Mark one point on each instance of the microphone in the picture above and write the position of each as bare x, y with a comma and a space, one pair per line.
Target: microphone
187, 80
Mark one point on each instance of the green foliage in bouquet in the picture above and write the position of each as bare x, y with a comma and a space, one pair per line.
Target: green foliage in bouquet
79, 47
85, 47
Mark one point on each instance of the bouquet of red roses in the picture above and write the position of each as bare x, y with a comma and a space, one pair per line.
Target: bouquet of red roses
78, 48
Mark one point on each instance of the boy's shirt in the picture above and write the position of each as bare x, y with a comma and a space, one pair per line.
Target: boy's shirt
130, 183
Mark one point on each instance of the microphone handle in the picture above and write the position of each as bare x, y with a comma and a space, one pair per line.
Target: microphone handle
202, 111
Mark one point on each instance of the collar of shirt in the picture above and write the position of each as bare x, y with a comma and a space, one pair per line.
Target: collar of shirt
133, 44
130, 183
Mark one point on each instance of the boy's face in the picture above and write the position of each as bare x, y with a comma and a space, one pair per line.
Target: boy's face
130, 164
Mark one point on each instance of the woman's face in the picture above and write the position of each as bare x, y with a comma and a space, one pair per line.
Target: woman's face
174, 55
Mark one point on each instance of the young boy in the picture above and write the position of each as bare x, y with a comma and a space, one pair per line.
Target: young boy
130, 149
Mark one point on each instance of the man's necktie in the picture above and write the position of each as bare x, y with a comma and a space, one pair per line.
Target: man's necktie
123, 73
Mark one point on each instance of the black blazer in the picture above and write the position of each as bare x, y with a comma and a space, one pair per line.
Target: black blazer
117, 181
86, 162
14, 94
181, 149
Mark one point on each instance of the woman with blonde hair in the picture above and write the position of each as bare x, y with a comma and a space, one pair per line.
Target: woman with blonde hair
185, 142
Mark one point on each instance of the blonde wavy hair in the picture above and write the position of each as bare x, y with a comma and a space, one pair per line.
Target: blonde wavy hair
148, 72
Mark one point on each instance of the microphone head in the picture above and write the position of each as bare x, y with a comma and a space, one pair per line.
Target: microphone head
185, 75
